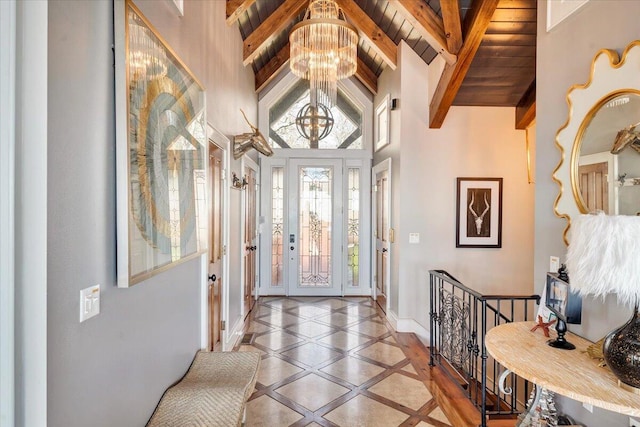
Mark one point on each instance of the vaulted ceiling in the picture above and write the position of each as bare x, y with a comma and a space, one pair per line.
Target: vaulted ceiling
489, 45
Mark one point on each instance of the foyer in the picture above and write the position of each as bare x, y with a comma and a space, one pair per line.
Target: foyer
333, 362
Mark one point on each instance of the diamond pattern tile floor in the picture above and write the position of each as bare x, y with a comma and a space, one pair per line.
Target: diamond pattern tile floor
329, 361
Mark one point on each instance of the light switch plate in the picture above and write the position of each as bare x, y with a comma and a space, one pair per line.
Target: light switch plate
554, 264
89, 302
414, 237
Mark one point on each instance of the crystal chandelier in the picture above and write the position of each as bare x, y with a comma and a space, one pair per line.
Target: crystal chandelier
323, 50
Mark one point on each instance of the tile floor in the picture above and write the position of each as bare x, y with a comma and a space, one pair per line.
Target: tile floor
332, 362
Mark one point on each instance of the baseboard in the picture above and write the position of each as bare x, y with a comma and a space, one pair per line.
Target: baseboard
393, 319
357, 292
410, 325
234, 334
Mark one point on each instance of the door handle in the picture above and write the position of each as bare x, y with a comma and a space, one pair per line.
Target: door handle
213, 278
385, 250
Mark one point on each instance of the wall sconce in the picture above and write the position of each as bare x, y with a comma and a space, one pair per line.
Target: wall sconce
236, 183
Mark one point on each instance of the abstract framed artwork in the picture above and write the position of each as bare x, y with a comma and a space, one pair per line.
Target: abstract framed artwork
161, 152
479, 213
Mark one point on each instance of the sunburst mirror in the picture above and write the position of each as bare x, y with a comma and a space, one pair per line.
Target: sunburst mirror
599, 169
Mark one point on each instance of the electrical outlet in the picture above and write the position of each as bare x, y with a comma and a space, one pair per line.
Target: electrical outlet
588, 407
633, 422
554, 264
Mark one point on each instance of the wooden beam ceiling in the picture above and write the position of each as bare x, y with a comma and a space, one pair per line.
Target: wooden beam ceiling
270, 28
452, 25
526, 108
453, 75
235, 8
272, 68
369, 30
367, 77
427, 23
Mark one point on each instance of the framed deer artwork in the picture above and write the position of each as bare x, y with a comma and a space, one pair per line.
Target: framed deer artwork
479, 213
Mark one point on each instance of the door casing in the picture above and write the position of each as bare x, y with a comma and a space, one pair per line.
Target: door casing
223, 143
384, 165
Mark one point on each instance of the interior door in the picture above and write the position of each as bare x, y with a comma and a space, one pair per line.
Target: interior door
594, 186
250, 238
315, 227
382, 233
216, 170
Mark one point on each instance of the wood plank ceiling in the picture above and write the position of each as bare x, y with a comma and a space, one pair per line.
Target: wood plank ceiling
489, 45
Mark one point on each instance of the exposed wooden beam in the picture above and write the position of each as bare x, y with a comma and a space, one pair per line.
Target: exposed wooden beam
235, 8
452, 25
427, 23
367, 77
369, 30
454, 74
526, 108
272, 68
270, 28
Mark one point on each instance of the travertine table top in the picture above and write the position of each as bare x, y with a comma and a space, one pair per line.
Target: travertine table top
568, 372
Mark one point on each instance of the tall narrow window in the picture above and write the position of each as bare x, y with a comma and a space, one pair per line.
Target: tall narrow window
277, 223
353, 228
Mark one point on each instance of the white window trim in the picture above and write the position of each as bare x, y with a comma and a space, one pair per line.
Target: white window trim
353, 92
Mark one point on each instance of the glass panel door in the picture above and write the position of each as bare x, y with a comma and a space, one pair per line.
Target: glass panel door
315, 237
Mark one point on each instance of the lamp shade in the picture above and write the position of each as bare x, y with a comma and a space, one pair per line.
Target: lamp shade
604, 256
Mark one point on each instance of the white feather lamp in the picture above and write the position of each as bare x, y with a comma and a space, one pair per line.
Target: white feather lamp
603, 258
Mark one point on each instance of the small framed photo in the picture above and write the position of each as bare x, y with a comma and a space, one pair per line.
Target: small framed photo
381, 125
479, 213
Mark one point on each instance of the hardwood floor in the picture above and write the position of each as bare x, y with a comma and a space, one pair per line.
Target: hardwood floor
337, 362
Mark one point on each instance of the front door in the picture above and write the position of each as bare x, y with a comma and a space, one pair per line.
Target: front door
315, 224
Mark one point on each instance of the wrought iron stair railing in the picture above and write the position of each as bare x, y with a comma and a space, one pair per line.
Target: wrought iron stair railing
459, 320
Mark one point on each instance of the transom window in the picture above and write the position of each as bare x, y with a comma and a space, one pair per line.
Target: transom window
283, 133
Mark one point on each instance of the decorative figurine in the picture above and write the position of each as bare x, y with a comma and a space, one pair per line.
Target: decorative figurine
544, 325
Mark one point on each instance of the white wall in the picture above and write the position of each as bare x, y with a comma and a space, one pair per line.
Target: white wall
564, 58
473, 142
389, 83
112, 369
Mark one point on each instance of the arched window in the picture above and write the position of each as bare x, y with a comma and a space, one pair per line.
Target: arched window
347, 126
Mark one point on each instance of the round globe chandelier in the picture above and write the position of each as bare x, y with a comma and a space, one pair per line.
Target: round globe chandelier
324, 49
314, 123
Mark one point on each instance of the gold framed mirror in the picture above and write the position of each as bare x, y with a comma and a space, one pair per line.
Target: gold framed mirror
604, 116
